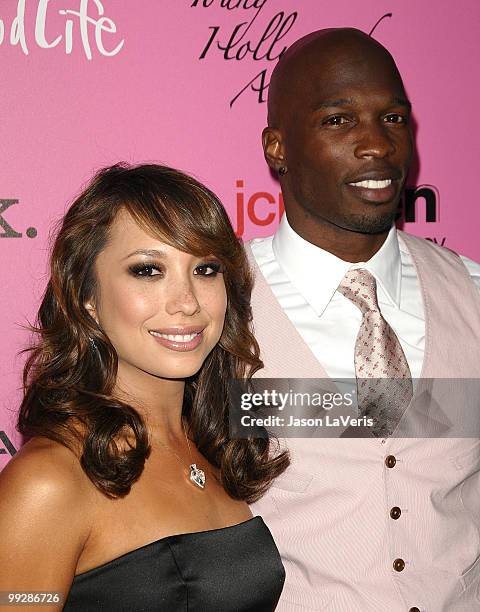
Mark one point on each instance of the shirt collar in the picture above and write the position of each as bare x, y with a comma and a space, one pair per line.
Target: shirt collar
316, 273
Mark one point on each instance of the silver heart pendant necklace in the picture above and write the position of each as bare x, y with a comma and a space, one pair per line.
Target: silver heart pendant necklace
197, 476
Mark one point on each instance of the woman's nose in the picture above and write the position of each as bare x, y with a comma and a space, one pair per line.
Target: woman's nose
182, 299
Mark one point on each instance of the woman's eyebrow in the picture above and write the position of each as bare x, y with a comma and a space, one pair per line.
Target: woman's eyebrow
147, 253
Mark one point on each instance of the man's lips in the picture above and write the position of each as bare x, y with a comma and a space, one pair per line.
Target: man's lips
372, 184
375, 174
375, 187
179, 338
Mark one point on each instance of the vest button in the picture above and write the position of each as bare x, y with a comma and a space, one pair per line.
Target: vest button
399, 565
395, 513
390, 461
414, 609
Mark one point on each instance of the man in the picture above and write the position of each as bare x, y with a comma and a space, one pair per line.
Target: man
380, 523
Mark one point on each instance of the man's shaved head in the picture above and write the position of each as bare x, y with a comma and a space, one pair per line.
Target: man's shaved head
291, 74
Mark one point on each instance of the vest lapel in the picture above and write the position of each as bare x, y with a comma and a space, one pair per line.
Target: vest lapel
283, 350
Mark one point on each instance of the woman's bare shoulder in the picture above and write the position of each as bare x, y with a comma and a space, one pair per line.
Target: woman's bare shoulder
44, 476
47, 464
47, 507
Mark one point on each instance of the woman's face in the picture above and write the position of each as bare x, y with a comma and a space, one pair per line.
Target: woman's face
162, 309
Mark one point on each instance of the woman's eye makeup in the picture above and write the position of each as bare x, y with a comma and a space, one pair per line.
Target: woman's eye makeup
208, 268
145, 269
150, 270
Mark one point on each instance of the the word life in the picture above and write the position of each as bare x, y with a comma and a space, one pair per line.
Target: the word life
98, 27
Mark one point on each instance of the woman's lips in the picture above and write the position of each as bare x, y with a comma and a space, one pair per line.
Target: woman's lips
377, 191
179, 341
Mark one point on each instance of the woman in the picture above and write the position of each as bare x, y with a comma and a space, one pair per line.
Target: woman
129, 494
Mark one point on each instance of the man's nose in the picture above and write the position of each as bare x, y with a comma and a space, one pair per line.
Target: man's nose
182, 299
374, 140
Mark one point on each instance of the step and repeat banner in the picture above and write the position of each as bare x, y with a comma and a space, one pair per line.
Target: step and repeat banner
87, 83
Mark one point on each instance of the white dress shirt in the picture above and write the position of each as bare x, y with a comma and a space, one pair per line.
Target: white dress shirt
304, 279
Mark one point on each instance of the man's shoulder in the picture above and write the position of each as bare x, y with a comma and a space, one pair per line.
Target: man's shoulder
409, 240
473, 268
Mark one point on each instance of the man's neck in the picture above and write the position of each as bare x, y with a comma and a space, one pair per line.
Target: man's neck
345, 244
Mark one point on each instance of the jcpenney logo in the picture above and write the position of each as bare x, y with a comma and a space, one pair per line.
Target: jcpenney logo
8, 230
263, 208
88, 24
6, 446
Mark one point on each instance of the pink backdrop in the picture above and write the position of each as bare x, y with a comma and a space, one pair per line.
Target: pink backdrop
88, 83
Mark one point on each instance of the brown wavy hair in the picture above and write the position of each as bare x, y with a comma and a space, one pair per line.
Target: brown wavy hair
70, 373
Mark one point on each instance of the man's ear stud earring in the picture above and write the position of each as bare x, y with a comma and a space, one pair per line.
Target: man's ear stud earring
282, 170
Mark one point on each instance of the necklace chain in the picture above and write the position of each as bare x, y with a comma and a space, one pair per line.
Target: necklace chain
188, 441
197, 475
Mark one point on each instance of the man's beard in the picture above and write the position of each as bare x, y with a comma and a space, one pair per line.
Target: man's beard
359, 223
370, 224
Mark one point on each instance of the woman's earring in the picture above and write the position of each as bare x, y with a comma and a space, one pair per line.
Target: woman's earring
282, 170
91, 311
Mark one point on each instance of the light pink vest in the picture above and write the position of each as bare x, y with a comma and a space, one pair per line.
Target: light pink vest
330, 512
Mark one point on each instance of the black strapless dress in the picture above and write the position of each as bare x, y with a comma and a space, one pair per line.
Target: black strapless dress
233, 569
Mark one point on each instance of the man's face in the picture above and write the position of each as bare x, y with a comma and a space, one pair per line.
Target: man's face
347, 141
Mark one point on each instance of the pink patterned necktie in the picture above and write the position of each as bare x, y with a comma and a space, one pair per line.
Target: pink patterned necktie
384, 382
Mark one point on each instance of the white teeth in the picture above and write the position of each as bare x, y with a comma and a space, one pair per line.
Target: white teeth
174, 337
369, 184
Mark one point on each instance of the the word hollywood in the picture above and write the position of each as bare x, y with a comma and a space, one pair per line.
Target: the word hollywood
241, 42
